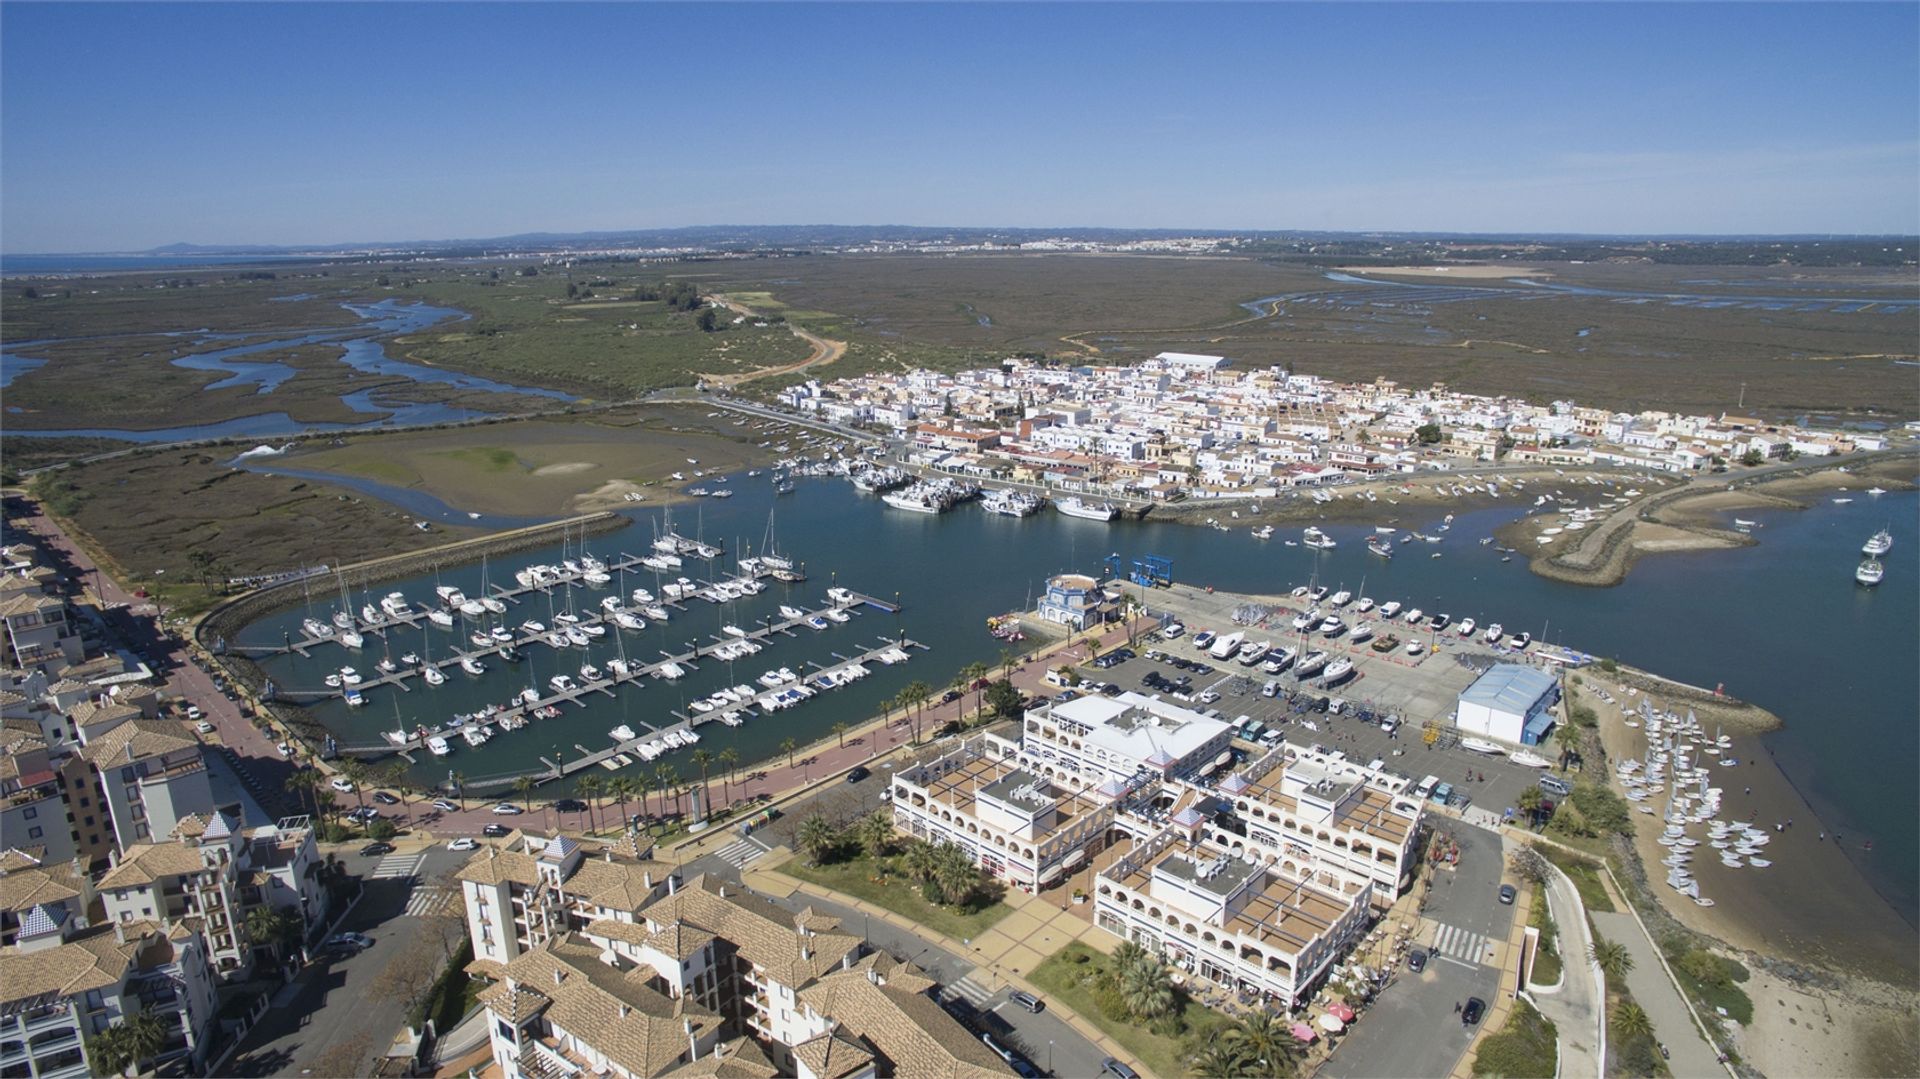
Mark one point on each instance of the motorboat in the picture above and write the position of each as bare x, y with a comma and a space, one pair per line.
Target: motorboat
1414, 616
472, 666
622, 733
837, 615
1871, 572
1390, 609
1337, 670
1440, 621
1879, 544
1253, 652
1313, 537
1341, 598
562, 683
442, 618
1529, 760
1494, 633
1481, 745
590, 672
1074, 507
1381, 546
1520, 641
1466, 627
792, 614
438, 746
1364, 604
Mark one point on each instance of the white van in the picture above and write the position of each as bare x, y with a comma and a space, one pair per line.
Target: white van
1425, 787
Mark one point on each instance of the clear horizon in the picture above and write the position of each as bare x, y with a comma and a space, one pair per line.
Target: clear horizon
129, 127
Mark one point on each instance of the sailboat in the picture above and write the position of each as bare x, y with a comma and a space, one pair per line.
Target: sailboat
428, 671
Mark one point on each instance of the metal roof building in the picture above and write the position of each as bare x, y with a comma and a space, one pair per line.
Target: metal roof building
1509, 703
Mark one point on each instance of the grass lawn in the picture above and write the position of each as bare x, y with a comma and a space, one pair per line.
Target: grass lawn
897, 893
1585, 875
1546, 964
1066, 975
1524, 1048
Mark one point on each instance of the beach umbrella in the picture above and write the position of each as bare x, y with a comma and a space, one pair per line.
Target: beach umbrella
1341, 1012
1331, 1023
1303, 1032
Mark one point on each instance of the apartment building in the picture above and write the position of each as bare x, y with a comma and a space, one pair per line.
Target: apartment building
1231, 921
532, 890
63, 981
33, 811
150, 775
1117, 743
213, 873
30, 880
1016, 825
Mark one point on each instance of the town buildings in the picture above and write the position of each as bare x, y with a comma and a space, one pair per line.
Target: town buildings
603, 960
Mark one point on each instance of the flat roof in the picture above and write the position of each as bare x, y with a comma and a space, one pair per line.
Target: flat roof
1221, 875
1137, 726
1020, 788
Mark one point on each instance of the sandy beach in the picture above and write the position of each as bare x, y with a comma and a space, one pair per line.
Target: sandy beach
1812, 907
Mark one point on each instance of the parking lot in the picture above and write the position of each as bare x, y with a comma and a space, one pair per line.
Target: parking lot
1383, 706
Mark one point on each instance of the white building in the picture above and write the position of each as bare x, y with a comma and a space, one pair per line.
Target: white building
1509, 704
1094, 741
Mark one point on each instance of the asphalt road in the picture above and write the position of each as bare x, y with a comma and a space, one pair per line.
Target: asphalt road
1412, 1031
333, 1001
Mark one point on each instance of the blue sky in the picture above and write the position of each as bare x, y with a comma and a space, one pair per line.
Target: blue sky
128, 126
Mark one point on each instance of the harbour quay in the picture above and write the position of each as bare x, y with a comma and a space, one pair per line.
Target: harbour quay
1396, 708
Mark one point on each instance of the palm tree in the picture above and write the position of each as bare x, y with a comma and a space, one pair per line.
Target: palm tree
644, 783
816, 837
303, 782
788, 746
523, 786
701, 758
620, 788
977, 676
1267, 1041
921, 860
588, 787
875, 833
1631, 1022
955, 876
271, 927
135, 1039
460, 789
1222, 1059
1006, 662
1611, 957
1529, 801
840, 731
1147, 989
729, 759
323, 797
668, 778
915, 696
1128, 956
1567, 737
359, 775
395, 775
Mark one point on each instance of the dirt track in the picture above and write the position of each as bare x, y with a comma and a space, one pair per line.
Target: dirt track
824, 350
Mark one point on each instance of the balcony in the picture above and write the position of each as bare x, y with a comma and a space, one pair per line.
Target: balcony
49, 1018
541, 1061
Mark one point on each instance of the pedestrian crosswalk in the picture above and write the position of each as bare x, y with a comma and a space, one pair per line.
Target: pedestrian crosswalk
426, 901
970, 991
739, 852
1461, 944
397, 865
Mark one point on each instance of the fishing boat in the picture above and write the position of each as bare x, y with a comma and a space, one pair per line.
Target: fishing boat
1074, 507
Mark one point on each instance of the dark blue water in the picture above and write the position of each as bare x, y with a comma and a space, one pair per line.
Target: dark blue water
1781, 624
358, 350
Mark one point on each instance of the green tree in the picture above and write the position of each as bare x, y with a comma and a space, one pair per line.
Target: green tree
1427, 433
269, 926
920, 861
1221, 1059
1752, 458
127, 1044
701, 759
1003, 700
875, 833
382, 829
1567, 737
816, 837
1147, 989
1529, 864
523, 786
589, 786
787, 746
840, 731
707, 320
729, 759
1268, 1042
1611, 957
915, 697
1631, 1022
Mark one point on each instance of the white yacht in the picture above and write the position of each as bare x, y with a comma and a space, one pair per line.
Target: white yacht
1494, 633
1414, 616
1341, 598
1338, 669
1880, 544
438, 746
1390, 609
1313, 537
472, 665
1870, 572
1466, 627
562, 683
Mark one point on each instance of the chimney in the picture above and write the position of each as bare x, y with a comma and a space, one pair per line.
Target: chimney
120, 932
646, 877
559, 976
693, 1044
723, 891
625, 1011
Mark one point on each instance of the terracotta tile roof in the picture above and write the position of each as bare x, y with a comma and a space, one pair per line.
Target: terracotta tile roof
490, 865
832, 1056
793, 948
904, 1026
625, 886
740, 1058
145, 863
487, 968
93, 959
513, 1003
147, 737
27, 883
616, 1012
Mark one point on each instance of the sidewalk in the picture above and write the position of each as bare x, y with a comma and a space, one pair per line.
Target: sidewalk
1001, 956
1577, 1006
1655, 993
1506, 959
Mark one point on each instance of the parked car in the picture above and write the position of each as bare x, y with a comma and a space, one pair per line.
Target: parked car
1026, 1000
203, 727
508, 809
445, 806
1417, 960
385, 799
341, 784
570, 805
374, 850
1471, 1014
1118, 1070
1554, 785
858, 773
1506, 894
348, 941
193, 711
496, 831
465, 842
